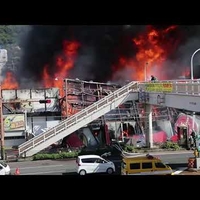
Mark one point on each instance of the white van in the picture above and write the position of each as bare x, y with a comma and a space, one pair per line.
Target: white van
87, 164
4, 168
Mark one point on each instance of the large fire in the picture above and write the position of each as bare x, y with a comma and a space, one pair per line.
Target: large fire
9, 82
64, 62
153, 48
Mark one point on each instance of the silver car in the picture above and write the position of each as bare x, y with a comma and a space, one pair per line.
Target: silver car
4, 168
87, 164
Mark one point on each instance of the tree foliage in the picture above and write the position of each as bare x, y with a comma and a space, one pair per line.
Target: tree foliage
12, 34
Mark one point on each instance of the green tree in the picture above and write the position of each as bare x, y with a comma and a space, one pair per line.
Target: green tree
12, 34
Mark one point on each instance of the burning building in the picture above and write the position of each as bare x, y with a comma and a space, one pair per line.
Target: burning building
25, 115
30, 112
55, 58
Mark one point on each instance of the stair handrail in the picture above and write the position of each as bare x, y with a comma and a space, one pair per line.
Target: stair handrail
66, 123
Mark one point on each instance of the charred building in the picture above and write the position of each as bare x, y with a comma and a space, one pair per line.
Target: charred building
30, 112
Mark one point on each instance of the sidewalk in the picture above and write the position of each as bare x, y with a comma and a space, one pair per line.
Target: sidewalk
12, 153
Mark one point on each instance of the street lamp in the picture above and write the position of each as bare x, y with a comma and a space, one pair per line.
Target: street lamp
192, 74
145, 71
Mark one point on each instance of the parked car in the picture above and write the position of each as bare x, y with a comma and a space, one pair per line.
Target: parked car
4, 168
87, 164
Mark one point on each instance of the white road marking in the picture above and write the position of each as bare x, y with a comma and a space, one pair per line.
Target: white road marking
40, 167
39, 173
179, 170
167, 153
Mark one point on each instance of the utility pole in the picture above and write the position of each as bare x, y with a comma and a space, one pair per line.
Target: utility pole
1, 126
3, 61
145, 71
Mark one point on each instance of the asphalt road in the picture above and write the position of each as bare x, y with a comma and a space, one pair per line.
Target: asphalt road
43, 167
67, 167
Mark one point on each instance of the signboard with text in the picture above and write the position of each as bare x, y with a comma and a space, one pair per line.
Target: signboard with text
14, 122
159, 87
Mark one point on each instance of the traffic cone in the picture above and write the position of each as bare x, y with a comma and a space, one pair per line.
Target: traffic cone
17, 172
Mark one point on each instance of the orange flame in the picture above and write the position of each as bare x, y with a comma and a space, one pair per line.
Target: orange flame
64, 62
9, 82
153, 47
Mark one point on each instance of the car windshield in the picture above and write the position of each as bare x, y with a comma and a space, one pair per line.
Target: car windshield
3, 163
105, 159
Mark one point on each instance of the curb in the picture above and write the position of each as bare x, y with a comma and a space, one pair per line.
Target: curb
151, 151
180, 170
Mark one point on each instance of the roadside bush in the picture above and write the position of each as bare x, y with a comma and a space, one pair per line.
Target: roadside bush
170, 145
55, 156
129, 148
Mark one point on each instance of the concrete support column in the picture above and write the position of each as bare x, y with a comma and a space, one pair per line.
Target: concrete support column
148, 126
2, 142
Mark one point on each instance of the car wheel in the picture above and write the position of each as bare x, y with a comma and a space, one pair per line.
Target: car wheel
110, 171
82, 172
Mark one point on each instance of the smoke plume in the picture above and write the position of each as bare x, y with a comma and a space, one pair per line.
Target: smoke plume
100, 47
100, 50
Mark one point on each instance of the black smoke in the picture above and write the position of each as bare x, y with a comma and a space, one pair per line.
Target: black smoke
180, 59
100, 49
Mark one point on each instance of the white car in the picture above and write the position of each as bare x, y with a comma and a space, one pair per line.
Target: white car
4, 168
87, 164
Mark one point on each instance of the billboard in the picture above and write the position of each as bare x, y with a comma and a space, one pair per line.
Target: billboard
14, 122
159, 87
21, 100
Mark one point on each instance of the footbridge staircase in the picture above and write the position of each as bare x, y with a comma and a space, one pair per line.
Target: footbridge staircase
78, 120
180, 94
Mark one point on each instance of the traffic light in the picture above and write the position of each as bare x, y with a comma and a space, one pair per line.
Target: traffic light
45, 101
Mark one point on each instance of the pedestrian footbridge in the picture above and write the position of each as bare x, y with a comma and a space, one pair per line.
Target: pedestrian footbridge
176, 94
181, 94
